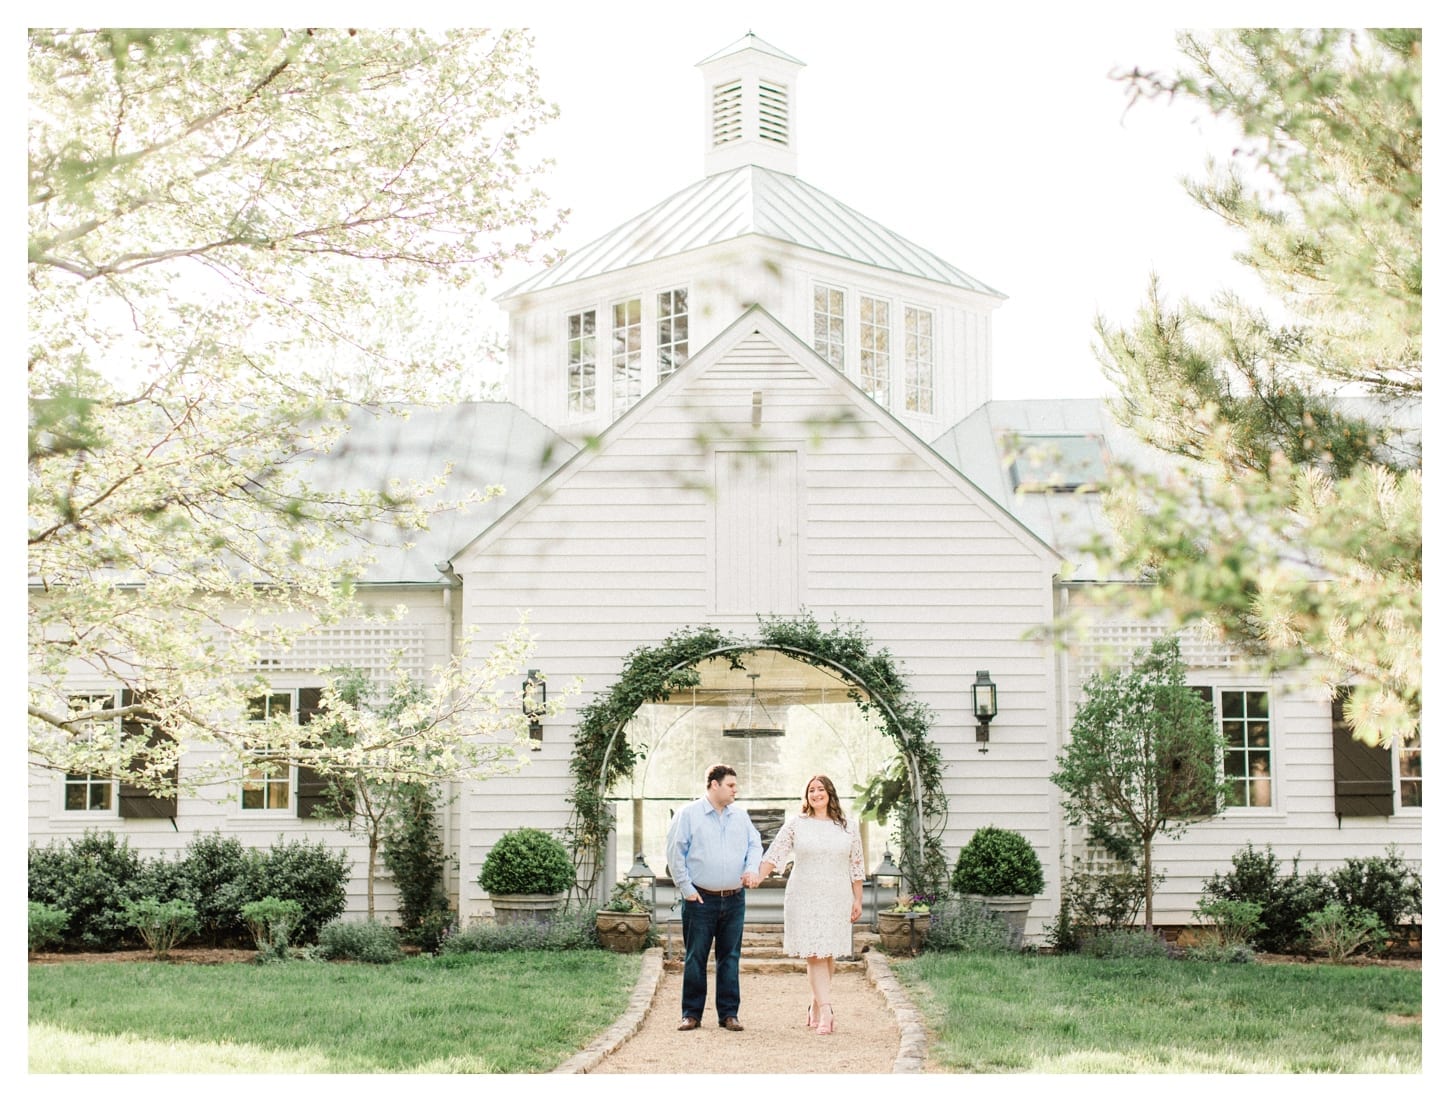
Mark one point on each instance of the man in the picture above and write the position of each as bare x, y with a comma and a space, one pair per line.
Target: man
713, 851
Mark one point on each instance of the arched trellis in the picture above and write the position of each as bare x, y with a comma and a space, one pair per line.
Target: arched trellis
910, 787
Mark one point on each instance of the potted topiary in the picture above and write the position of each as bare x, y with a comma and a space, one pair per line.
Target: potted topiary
526, 875
1000, 870
624, 920
903, 925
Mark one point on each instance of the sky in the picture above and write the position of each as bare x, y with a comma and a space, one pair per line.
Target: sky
1006, 149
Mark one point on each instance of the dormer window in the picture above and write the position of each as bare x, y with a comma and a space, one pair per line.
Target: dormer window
1055, 462
920, 360
673, 344
876, 348
627, 363
582, 362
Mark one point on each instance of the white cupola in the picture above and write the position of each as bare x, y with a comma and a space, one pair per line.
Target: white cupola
750, 107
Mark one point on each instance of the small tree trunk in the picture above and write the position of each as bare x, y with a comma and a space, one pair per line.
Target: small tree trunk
372, 867
1148, 882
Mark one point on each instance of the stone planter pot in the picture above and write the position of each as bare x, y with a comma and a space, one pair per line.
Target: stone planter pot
1013, 908
903, 934
622, 931
535, 909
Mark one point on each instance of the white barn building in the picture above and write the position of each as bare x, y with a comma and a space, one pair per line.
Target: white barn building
753, 400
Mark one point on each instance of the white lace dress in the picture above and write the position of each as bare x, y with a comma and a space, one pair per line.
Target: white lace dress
818, 895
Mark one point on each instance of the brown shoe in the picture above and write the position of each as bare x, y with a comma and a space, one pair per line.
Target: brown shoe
732, 1024
688, 1023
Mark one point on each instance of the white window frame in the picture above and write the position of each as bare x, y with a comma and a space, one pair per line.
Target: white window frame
834, 350
915, 364
626, 357
98, 699
581, 398
1269, 750
877, 385
678, 346
270, 781
1396, 762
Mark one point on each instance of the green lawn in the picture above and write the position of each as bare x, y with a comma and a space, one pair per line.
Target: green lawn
507, 1012
1081, 1015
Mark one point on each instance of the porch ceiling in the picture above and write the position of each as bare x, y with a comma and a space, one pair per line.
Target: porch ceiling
783, 680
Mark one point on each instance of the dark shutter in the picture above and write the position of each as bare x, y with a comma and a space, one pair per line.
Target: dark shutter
136, 802
1183, 795
312, 786
1363, 784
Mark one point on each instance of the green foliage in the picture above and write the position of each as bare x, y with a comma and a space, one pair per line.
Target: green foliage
572, 928
46, 925
1339, 932
1385, 886
1096, 900
1143, 755
213, 871
1220, 952
997, 862
627, 896
309, 873
602, 758
1298, 529
1126, 945
162, 925
272, 922
90, 878
413, 853
368, 941
1234, 921
966, 926
1284, 900
526, 861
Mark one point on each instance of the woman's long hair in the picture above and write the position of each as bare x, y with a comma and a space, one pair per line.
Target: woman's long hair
833, 805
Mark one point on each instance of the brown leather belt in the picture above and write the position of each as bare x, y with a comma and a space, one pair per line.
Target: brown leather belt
726, 894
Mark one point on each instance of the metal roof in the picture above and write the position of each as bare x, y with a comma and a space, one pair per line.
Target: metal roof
751, 41
744, 201
484, 443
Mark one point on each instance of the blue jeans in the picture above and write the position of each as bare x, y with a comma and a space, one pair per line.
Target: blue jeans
719, 922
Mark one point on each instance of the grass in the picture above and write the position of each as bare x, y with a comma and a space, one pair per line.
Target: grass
1079, 1015
508, 1012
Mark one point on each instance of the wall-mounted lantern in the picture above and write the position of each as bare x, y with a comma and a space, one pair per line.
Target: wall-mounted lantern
535, 694
984, 706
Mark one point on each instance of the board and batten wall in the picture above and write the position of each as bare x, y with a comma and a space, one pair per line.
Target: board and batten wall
758, 482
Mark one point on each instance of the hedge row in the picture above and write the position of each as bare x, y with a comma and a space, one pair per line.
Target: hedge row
92, 878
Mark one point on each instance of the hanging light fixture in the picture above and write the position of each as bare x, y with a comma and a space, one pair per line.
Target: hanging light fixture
754, 721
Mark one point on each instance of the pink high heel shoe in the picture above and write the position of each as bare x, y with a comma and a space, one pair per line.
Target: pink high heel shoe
811, 1015
826, 1024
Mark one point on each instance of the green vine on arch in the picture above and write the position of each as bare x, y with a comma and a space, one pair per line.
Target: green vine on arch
602, 758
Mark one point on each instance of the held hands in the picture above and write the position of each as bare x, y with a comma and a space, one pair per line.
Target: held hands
750, 880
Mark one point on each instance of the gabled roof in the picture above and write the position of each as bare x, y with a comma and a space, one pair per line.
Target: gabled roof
749, 200
750, 42
755, 320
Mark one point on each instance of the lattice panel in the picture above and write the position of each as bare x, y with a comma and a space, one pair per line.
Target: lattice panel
369, 648
1111, 645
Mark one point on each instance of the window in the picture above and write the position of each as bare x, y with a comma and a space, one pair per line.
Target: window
672, 348
582, 362
830, 325
90, 791
1055, 463
627, 358
268, 785
920, 357
876, 348
1247, 757
1409, 766
1183, 794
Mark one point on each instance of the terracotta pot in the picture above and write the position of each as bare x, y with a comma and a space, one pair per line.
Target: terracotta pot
622, 931
903, 933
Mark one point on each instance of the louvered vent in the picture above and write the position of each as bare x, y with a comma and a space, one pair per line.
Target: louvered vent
774, 113
727, 114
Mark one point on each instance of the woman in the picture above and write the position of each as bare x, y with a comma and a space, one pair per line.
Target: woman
823, 894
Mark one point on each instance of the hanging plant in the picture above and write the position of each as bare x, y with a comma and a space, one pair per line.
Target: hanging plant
602, 757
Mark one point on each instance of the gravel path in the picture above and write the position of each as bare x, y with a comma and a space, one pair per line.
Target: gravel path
877, 1029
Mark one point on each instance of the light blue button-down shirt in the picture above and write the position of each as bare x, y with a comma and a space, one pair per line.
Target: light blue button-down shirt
711, 849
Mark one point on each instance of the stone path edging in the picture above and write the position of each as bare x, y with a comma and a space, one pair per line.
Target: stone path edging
628, 1023
910, 1052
